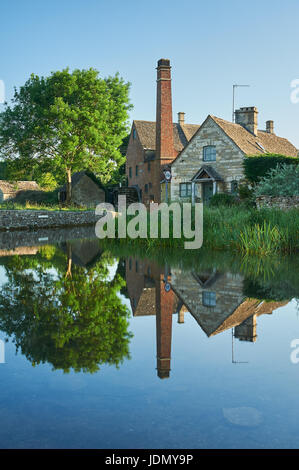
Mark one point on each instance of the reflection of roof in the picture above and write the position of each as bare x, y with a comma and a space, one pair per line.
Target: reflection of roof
181, 133
84, 253
247, 309
20, 250
249, 143
146, 303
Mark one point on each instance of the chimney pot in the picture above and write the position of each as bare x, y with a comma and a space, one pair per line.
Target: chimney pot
181, 118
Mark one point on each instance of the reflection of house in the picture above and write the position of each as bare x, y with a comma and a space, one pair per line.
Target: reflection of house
85, 190
214, 299
84, 253
217, 302
149, 295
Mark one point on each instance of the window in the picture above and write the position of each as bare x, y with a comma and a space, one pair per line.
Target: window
209, 153
146, 188
136, 170
234, 187
130, 264
130, 172
185, 189
136, 266
148, 166
150, 185
209, 299
134, 134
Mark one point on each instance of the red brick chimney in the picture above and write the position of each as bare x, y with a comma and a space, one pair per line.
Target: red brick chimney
164, 310
165, 151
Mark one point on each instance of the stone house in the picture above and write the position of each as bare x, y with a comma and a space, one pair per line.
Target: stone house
85, 191
15, 189
212, 161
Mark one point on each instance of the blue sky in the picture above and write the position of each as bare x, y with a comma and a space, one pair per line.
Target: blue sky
211, 44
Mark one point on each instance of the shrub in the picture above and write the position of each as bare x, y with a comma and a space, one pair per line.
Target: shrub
256, 166
280, 181
222, 199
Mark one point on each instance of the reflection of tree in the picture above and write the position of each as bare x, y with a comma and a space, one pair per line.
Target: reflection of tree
76, 321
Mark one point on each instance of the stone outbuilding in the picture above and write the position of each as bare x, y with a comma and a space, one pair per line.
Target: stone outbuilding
16, 189
86, 191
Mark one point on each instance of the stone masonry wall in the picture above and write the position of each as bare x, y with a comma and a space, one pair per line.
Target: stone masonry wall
34, 219
281, 202
228, 164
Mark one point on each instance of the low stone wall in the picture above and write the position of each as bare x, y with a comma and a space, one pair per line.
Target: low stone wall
281, 202
35, 219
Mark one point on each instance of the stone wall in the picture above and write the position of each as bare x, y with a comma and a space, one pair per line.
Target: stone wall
35, 219
281, 202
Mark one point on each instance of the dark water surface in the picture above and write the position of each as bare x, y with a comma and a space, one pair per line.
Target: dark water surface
108, 348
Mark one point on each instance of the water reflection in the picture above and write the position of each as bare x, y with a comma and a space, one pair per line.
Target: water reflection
222, 294
60, 305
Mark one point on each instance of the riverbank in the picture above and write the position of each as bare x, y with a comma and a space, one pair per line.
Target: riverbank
236, 229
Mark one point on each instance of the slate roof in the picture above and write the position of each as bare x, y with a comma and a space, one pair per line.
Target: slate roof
146, 131
248, 142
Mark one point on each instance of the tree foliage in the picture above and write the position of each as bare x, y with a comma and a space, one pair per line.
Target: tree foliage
258, 166
70, 120
280, 181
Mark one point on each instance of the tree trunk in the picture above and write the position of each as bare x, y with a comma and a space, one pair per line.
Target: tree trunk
69, 186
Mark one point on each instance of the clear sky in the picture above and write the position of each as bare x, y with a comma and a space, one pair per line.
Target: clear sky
211, 44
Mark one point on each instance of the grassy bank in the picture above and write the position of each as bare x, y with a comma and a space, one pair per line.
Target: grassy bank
237, 229
9, 205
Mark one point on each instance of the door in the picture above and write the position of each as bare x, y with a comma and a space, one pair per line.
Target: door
207, 192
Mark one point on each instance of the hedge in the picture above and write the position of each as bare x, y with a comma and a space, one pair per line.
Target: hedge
257, 166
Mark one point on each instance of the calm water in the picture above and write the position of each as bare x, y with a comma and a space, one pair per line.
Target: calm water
108, 349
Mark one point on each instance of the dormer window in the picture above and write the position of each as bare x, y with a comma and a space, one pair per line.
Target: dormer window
209, 153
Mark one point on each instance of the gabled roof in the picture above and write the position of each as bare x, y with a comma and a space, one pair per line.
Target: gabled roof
146, 131
249, 143
209, 171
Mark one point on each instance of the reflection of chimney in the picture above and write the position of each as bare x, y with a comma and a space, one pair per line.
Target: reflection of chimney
164, 309
247, 117
246, 331
181, 318
270, 127
181, 118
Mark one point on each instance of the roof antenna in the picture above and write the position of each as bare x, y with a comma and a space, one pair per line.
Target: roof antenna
234, 87
233, 357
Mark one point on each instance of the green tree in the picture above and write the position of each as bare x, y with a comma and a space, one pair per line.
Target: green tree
77, 120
